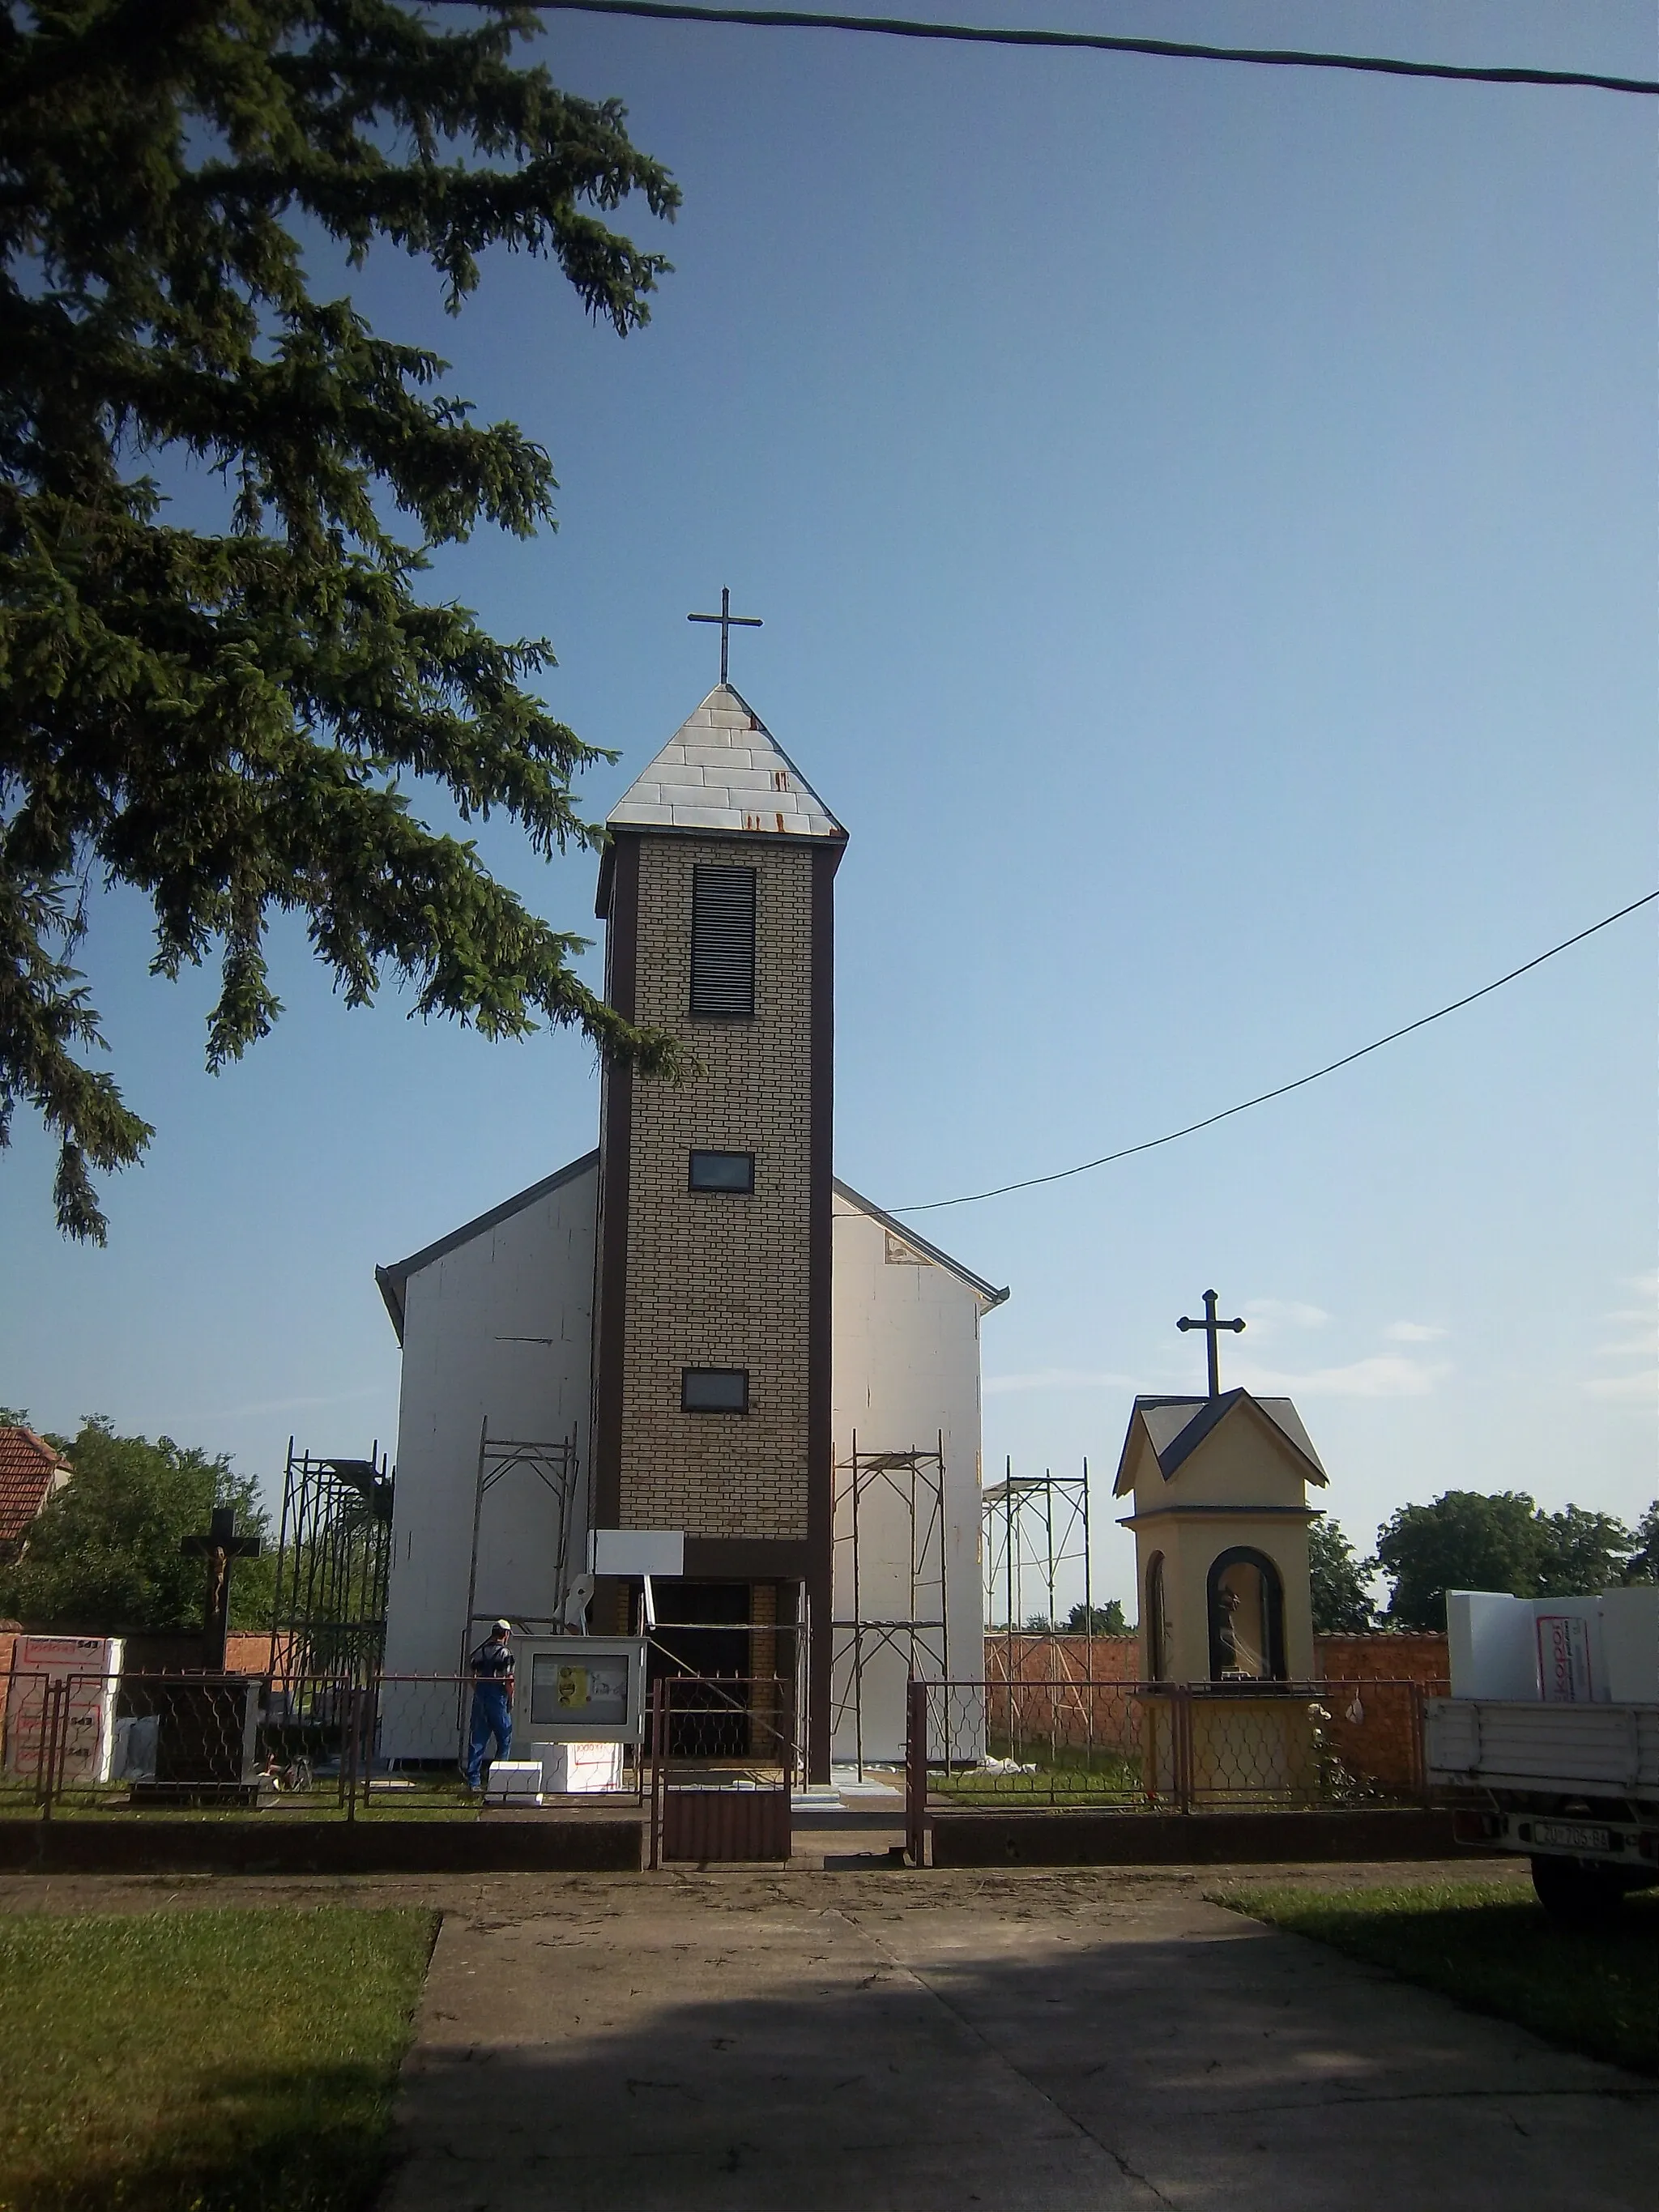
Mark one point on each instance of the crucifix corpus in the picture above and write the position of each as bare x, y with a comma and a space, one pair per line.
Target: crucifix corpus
219, 1547
1211, 1329
728, 621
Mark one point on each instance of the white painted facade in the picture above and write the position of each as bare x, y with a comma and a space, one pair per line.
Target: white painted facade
906, 1374
496, 1323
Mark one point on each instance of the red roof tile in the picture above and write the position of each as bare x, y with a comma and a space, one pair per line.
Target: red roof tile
28, 1464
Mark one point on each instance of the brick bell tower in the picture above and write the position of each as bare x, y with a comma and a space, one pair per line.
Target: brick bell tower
712, 1367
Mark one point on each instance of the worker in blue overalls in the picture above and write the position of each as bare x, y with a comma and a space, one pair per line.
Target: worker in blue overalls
492, 1701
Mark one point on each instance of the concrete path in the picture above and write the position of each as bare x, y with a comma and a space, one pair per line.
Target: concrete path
901, 2042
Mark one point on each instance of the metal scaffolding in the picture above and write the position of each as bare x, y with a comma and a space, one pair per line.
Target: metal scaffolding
1035, 1528
910, 1485
553, 1465
333, 1559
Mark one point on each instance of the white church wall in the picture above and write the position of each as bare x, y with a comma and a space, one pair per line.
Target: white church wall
906, 1368
497, 1327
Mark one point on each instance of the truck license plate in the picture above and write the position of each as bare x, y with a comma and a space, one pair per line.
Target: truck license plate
1570, 1836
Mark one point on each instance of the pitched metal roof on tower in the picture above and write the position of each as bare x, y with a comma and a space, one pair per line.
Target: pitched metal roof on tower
724, 770
1176, 1427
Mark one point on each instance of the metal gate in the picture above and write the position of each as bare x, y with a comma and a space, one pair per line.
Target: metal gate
724, 1751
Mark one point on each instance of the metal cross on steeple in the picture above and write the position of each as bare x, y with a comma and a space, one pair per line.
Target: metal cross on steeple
1211, 1329
728, 621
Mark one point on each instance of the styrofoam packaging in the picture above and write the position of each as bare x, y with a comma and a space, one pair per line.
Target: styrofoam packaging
572, 1769
91, 1665
1493, 1643
514, 1782
1630, 1638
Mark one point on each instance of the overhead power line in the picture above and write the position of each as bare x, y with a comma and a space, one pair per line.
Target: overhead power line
895, 26
1192, 1128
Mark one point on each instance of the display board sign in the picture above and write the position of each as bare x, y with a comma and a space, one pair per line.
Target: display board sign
584, 1689
635, 1551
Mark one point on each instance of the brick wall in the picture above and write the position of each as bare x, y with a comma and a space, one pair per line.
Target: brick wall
248, 1651
1384, 1657
714, 1279
1373, 1732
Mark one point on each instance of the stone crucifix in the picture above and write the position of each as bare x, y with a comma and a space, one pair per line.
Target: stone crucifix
219, 1547
1211, 1329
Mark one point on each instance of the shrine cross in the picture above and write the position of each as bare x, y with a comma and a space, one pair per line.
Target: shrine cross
1211, 1329
728, 621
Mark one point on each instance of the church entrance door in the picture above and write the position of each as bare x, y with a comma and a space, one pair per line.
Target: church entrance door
700, 1630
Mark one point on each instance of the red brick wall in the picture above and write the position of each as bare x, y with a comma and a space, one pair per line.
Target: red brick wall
1372, 1731
1378, 1657
248, 1651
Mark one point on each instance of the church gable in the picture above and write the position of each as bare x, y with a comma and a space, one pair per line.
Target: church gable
905, 1248
394, 1281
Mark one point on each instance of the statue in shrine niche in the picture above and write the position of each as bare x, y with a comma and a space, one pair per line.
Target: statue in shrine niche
1241, 1653
1226, 1634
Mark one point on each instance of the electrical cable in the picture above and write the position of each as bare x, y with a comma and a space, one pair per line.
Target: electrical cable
1151, 1143
894, 26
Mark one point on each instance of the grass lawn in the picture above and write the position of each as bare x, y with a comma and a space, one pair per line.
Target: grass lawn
236, 2061
1492, 1947
1062, 1776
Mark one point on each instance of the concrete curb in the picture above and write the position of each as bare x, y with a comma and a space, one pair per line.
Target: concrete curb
588, 1846
1087, 1839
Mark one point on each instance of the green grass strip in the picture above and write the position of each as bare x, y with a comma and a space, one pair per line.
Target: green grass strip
203, 2060
1492, 1947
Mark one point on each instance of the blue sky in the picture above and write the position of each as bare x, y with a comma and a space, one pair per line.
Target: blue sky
1203, 521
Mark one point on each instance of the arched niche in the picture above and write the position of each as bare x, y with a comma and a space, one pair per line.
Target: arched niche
1245, 1606
1157, 1617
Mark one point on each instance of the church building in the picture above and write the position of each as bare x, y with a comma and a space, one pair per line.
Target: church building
696, 1327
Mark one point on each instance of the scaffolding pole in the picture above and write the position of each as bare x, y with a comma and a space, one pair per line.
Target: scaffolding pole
555, 1466
911, 1484
333, 1561
1036, 1533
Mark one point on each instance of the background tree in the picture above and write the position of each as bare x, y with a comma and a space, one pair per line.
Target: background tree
1101, 1620
103, 1554
1581, 1551
1643, 1566
1464, 1541
230, 722
1341, 1603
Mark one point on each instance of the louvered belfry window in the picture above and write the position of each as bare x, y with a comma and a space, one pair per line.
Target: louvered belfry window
723, 942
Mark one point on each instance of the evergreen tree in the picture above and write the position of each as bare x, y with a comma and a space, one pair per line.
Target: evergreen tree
103, 1554
227, 721
1341, 1603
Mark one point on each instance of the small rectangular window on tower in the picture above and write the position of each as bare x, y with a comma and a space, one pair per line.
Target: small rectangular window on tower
713, 1390
723, 943
722, 1171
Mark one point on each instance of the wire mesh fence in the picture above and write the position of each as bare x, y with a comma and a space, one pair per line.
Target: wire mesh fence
288, 1747
1139, 1747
